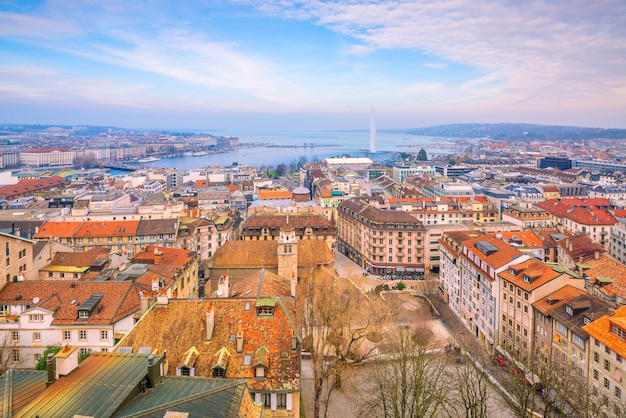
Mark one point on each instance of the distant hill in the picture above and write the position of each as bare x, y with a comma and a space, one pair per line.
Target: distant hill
513, 131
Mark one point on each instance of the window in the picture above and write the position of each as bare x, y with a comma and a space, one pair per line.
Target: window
83, 314
16, 335
618, 358
247, 359
577, 340
67, 335
37, 337
37, 357
4, 309
265, 311
35, 318
596, 374
82, 334
596, 357
561, 328
569, 310
618, 392
15, 355
607, 350
607, 365
247, 306
281, 400
84, 351
607, 384
104, 350
104, 335
619, 332
259, 372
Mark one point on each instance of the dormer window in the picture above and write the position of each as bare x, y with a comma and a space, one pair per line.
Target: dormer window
619, 332
86, 309
265, 307
219, 372
259, 372
569, 310
586, 320
526, 279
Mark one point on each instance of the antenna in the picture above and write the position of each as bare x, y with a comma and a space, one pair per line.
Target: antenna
219, 292
36, 300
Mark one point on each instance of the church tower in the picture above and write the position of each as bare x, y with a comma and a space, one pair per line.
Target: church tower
288, 252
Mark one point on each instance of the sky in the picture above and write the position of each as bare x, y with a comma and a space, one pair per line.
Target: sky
262, 65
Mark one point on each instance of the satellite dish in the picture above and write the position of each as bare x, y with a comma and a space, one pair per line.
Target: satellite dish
219, 292
36, 300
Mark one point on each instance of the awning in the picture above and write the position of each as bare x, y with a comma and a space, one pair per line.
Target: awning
618, 375
557, 337
265, 302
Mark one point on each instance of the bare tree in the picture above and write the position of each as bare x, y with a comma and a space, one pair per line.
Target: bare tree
472, 399
339, 325
412, 382
10, 357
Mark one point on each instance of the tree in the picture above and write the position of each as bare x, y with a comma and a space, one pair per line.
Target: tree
340, 329
42, 362
302, 160
470, 398
421, 155
281, 170
412, 382
9, 353
83, 356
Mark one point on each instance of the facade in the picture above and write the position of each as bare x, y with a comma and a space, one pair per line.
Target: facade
403, 170
561, 163
307, 225
470, 265
617, 247
447, 189
526, 217
47, 157
522, 285
607, 353
87, 315
383, 242
17, 259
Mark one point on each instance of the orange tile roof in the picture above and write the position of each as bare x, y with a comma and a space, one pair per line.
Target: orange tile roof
557, 298
607, 266
107, 229
121, 299
528, 238
262, 283
600, 329
274, 194
539, 273
58, 229
182, 324
505, 254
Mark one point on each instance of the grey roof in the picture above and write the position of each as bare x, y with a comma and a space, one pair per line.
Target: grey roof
198, 396
157, 226
18, 387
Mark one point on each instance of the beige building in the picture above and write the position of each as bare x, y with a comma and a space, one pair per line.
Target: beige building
385, 242
522, 285
17, 259
608, 350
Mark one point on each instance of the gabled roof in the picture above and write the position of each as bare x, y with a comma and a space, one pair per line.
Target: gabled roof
503, 255
182, 324
18, 387
100, 385
530, 274
262, 284
58, 229
120, 299
107, 229
557, 298
259, 254
600, 329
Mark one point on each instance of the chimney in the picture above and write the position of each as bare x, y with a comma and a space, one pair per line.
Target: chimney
153, 371
50, 366
596, 255
610, 312
223, 287
158, 256
66, 360
210, 324
294, 342
570, 245
294, 282
240, 341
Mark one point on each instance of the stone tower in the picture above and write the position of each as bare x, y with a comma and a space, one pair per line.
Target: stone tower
288, 252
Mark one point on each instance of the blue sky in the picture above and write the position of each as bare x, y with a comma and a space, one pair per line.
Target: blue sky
263, 65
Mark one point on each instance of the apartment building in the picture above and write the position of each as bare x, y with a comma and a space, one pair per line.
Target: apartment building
89, 315
522, 285
470, 266
526, 217
17, 259
307, 225
607, 353
47, 157
617, 246
385, 242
